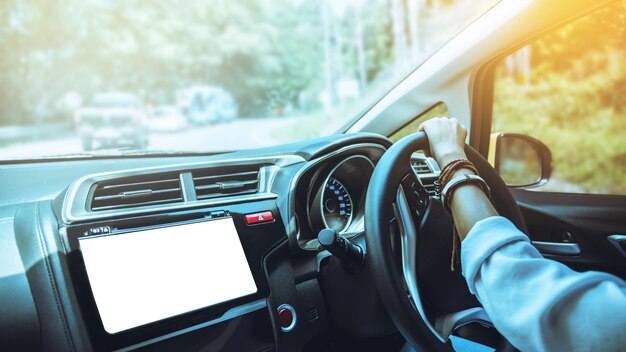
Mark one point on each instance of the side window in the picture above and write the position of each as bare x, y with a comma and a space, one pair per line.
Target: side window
568, 89
436, 111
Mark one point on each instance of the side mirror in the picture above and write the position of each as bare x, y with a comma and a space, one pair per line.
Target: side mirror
522, 161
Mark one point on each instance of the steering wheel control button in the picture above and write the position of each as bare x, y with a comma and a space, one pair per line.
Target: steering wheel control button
287, 317
258, 218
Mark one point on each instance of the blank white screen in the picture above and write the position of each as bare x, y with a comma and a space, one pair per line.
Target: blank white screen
141, 277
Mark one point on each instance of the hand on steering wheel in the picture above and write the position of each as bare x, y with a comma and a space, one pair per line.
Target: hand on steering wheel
446, 139
401, 225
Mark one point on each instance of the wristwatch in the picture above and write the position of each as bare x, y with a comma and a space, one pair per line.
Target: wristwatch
446, 194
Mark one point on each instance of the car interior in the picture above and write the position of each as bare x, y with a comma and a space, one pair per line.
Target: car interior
332, 243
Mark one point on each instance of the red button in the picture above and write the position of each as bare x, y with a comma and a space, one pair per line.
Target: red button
257, 218
286, 317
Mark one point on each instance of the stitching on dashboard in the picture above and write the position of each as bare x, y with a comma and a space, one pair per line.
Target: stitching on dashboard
46, 262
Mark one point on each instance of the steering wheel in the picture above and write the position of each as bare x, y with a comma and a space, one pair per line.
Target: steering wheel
408, 237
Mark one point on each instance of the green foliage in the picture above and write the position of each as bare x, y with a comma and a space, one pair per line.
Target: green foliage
575, 103
154, 48
269, 54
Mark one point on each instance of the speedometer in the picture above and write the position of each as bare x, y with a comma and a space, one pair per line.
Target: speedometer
336, 206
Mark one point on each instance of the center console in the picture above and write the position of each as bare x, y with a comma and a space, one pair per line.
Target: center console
145, 279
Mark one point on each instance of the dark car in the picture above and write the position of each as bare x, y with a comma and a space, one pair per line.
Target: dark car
112, 119
208, 104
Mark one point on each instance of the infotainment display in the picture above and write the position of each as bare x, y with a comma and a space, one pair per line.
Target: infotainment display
144, 276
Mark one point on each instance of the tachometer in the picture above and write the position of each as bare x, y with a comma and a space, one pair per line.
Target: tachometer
336, 206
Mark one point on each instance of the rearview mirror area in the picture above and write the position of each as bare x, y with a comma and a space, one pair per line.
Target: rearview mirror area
522, 161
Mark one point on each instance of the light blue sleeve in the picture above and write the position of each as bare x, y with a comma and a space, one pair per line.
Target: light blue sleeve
540, 304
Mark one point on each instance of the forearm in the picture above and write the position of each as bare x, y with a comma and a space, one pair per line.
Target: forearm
540, 304
446, 138
469, 205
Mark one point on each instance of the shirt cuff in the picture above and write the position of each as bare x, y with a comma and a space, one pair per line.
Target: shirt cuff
485, 237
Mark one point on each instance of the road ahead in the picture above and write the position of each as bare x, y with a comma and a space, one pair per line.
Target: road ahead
239, 134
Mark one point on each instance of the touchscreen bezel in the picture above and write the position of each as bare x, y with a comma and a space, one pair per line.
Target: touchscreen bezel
248, 236
139, 277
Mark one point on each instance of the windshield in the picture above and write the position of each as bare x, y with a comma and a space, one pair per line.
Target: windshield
116, 77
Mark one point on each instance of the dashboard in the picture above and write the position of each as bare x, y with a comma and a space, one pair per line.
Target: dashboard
193, 253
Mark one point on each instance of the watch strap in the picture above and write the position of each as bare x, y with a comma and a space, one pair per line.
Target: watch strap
455, 182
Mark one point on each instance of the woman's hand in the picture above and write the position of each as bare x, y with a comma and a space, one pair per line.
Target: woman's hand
447, 143
446, 138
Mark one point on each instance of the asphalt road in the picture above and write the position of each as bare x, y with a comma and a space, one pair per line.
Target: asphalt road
236, 135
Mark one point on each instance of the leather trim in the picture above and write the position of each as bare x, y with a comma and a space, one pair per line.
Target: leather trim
42, 253
19, 323
53, 285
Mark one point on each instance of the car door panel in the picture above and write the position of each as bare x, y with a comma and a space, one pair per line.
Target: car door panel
583, 219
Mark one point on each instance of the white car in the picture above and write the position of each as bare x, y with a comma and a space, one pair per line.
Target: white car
112, 119
166, 118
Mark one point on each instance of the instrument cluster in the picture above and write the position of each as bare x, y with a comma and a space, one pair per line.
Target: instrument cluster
335, 199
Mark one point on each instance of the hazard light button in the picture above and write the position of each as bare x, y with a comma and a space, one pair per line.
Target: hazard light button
258, 218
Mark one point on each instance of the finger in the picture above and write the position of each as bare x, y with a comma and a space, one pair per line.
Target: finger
428, 123
422, 126
425, 123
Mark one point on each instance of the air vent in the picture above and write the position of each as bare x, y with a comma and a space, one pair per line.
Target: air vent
137, 191
215, 183
420, 167
425, 174
312, 314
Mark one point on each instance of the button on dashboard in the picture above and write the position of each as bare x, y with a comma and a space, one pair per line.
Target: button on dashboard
258, 218
286, 317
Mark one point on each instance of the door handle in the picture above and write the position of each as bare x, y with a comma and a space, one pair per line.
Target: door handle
557, 248
619, 241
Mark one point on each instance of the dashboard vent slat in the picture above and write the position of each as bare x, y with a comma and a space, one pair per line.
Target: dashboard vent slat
140, 193
425, 174
137, 191
216, 183
139, 183
239, 174
429, 184
139, 204
420, 167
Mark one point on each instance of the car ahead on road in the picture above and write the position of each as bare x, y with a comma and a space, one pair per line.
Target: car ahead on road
166, 118
208, 104
198, 249
112, 119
